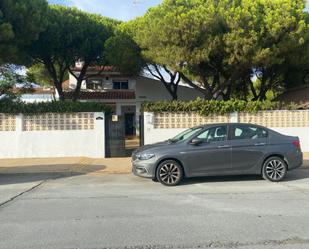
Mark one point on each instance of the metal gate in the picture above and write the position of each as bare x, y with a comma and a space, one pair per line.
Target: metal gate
114, 136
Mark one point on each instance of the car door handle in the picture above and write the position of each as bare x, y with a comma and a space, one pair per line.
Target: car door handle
223, 146
260, 144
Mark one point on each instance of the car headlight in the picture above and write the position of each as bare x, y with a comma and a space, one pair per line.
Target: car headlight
145, 156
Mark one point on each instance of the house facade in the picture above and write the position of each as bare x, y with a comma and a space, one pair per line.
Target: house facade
124, 93
299, 95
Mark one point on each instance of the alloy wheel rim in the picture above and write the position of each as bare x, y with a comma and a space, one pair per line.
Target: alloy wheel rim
169, 173
275, 169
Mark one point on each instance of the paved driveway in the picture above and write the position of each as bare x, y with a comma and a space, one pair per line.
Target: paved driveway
64, 210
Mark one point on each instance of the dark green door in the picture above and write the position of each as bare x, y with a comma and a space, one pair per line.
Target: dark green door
129, 124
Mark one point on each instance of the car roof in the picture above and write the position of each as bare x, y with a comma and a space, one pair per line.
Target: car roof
229, 124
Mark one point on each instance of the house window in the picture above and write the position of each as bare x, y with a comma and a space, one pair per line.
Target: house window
94, 84
120, 84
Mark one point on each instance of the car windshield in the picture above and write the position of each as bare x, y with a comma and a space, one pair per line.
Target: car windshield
185, 134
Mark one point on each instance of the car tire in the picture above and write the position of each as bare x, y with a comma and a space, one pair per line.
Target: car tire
274, 169
169, 173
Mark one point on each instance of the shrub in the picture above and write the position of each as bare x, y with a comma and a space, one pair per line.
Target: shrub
14, 107
209, 107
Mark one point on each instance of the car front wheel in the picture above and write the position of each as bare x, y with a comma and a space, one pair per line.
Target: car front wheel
169, 173
274, 169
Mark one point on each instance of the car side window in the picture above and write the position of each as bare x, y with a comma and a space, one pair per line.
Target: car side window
248, 132
218, 133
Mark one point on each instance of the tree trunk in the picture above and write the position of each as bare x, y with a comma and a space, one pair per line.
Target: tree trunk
53, 74
77, 90
255, 96
170, 89
205, 92
263, 90
174, 96
79, 81
172, 85
59, 91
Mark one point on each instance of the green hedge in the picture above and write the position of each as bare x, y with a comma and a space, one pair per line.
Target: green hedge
13, 107
209, 107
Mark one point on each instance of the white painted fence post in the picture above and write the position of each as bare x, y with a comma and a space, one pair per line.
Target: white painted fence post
18, 135
19, 123
99, 122
148, 126
233, 118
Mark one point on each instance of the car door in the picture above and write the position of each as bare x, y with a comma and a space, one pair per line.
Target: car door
211, 155
248, 143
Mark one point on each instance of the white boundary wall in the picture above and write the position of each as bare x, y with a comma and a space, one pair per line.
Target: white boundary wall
54, 143
154, 135
301, 132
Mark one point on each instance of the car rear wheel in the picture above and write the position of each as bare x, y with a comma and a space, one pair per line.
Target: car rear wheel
169, 173
274, 169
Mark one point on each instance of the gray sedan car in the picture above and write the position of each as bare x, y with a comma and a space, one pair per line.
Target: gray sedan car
219, 149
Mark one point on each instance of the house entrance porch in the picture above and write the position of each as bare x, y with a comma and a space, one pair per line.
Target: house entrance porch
132, 140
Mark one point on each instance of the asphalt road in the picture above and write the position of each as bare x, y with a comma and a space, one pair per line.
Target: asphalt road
123, 211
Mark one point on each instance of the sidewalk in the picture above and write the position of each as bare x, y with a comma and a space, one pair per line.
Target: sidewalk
80, 165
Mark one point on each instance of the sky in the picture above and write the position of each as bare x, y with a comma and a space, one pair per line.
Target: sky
118, 9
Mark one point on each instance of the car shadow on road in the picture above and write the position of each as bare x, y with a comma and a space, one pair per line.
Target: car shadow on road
23, 174
234, 178
298, 174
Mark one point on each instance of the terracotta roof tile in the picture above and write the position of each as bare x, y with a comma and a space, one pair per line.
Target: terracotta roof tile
103, 95
98, 68
34, 90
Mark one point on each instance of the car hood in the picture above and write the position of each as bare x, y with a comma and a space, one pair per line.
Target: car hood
151, 147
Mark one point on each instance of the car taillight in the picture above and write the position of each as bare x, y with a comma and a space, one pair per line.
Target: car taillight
296, 143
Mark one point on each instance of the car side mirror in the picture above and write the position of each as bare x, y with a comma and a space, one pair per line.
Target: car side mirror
196, 141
